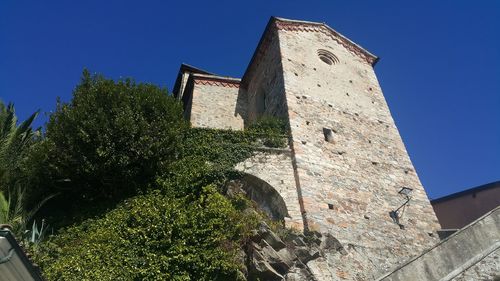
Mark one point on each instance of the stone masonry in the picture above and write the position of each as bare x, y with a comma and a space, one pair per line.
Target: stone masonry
346, 162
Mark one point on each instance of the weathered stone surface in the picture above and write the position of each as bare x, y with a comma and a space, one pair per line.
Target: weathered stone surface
331, 244
288, 257
346, 163
299, 274
305, 254
270, 237
262, 270
314, 259
320, 268
275, 169
272, 257
216, 103
296, 239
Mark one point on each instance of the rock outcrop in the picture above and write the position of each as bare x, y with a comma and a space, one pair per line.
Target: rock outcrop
291, 258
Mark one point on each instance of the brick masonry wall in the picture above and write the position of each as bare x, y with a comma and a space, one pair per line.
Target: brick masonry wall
217, 106
361, 171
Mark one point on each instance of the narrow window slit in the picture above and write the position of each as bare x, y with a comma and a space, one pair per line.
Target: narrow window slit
328, 133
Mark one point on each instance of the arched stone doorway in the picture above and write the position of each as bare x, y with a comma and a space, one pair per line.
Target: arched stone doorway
264, 195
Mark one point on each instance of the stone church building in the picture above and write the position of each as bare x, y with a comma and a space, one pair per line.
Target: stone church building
346, 172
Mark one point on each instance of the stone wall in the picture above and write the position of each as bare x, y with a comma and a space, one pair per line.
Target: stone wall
183, 83
265, 85
275, 168
349, 184
217, 103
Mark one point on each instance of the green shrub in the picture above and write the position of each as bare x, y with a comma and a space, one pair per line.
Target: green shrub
110, 141
186, 218
152, 237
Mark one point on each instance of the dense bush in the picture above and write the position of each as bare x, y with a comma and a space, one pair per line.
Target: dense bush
152, 237
206, 156
108, 142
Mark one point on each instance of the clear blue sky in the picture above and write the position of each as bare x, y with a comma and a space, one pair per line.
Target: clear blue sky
439, 67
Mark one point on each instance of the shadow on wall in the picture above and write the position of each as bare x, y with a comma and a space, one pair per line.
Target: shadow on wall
263, 194
267, 100
241, 108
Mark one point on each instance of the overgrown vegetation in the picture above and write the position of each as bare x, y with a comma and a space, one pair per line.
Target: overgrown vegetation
152, 237
140, 193
15, 141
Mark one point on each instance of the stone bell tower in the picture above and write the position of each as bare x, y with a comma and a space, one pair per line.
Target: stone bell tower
348, 172
350, 162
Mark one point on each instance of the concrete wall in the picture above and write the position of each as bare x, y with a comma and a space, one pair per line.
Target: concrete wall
487, 269
217, 104
456, 211
470, 254
360, 172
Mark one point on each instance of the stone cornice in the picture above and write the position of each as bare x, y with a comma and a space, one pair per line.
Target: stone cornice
213, 80
275, 24
304, 26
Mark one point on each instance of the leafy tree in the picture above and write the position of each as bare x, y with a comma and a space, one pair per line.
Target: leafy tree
15, 141
15, 144
109, 142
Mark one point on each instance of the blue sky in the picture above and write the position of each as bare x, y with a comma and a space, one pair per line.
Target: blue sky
439, 67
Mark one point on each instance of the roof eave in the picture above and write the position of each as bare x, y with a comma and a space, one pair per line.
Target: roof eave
186, 68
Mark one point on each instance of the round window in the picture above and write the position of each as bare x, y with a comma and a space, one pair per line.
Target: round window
327, 57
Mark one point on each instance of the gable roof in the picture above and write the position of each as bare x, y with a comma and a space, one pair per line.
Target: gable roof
276, 23
186, 68
491, 185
